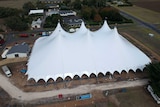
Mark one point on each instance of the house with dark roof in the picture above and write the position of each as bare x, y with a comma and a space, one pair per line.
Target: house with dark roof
67, 13
19, 50
72, 21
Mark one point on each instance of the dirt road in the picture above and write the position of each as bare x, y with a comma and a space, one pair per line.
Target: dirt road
15, 92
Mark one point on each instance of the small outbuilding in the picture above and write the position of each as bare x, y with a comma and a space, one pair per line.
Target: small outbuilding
39, 11
36, 24
19, 50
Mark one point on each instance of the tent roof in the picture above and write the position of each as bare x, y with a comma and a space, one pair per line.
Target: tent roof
65, 54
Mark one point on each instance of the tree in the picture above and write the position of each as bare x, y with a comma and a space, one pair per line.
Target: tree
28, 6
97, 18
100, 3
86, 12
51, 21
154, 75
112, 14
67, 2
40, 5
93, 12
16, 23
6, 12
77, 4
95, 3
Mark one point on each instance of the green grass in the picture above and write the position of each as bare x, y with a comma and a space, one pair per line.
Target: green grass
141, 13
141, 34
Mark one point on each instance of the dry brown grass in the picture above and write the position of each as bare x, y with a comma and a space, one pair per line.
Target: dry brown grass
152, 5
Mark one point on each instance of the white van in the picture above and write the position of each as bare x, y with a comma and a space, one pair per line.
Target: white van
6, 71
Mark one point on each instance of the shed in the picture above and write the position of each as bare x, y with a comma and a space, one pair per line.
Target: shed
36, 24
39, 11
19, 50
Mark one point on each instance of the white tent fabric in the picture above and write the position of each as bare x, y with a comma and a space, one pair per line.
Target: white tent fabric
65, 54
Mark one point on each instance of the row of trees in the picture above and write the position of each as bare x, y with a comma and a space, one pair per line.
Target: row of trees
6, 12
91, 13
18, 19
14, 18
154, 74
78, 4
51, 21
89, 10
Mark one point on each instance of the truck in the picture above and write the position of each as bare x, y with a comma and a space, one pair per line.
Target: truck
84, 96
7, 71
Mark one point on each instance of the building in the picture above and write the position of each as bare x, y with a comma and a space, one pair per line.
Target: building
72, 21
4, 53
19, 50
36, 24
39, 11
83, 52
50, 12
67, 13
51, 1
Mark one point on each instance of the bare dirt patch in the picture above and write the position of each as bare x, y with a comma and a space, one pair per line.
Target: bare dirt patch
4, 98
132, 97
20, 79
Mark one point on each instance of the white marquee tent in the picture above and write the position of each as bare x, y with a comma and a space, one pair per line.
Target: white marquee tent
65, 54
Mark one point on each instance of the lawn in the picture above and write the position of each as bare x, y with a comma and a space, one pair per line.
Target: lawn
141, 34
141, 13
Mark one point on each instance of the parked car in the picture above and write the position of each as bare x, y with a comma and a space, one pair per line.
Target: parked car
23, 35
1, 42
6, 71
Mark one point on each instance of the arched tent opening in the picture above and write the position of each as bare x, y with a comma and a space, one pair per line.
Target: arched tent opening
100, 74
84, 76
76, 77
59, 79
41, 81
68, 78
116, 75
145, 69
124, 75
123, 72
31, 81
109, 75
131, 71
138, 71
50, 80
145, 72
131, 74
93, 75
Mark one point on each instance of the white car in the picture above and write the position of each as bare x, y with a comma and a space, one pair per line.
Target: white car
6, 71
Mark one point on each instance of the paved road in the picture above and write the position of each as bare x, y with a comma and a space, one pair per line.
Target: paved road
151, 26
